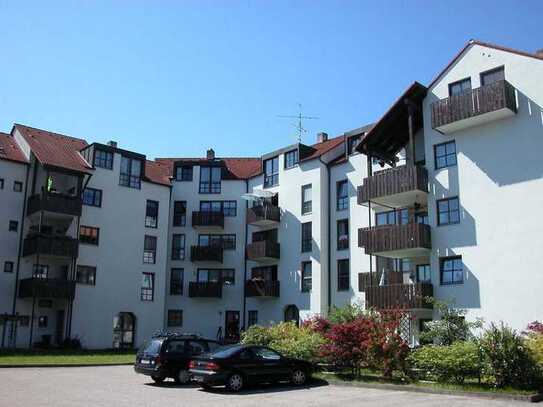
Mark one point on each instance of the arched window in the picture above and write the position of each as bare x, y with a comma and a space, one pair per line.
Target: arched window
292, 314
124, 329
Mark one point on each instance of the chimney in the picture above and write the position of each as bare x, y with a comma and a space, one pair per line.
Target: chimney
322, 136
539, 53
210, 154
112, 143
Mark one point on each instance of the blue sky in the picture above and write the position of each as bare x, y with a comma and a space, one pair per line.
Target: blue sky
174, 78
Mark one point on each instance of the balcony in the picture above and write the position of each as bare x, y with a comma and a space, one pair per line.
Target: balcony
396, 241
262, 288
54, 202
263, 251
205, 289
206, 253
402, 296
396, 187
478, 106
61, 246
262, 216
207, 220
46, 288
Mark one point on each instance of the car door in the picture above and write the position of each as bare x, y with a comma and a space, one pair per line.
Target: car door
271, 365
174, 356
245, 362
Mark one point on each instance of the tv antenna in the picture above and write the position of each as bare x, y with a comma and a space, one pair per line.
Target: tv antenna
298, 125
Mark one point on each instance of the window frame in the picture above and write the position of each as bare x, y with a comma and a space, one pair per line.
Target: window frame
307, 206
13, 226
417, 274
341, 277
459, 82
178, 320
449, 211
252, 318
489, 72
342, 244
342, 202
95, 193
306, 281
178, 252
130, 179
453, 281
401, 217
11, 266
85, 275
148, 293
184, 173
43, 321
352, 142
148, 252
307, 242
150, 220
271, 179
88, 239
446, 156
220, 275
179, 216
17, 186
105, 162
291, 163
1, 183
212, 187
40, 271
177, 284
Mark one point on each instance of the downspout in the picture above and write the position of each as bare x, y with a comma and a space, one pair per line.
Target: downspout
370, 173
329, 248
245, 258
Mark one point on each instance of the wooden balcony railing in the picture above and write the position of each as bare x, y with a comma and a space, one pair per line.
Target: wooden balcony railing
46, 288
206, 253
404, 296
393, 181
207, 219
379, 239
262, 250
55, 202
50, 245
266, 214
209, 289
489, 98
262, 288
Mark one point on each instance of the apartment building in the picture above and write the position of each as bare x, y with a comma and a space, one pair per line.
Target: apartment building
439, 197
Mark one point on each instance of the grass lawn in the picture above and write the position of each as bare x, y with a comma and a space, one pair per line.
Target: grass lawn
57, 357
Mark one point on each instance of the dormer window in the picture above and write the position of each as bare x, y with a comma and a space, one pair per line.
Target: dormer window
291, 159
271, 172
351, 144
103, 159
210, 180
183, 173
130, 173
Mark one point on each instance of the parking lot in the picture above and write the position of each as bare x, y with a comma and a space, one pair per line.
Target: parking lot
119, 386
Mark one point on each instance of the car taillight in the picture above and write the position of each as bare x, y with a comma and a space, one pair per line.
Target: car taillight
212, 366
192, 364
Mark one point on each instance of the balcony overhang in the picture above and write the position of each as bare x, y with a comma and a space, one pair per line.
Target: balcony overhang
262, 288
399, 296
206, 289
263, 251
46, 245
396, 241
207, 220
263, 216
46, 288
206, 253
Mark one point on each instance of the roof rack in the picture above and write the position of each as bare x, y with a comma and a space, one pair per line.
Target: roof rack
169, 334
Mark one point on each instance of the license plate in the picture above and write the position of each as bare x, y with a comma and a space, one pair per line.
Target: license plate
145, 362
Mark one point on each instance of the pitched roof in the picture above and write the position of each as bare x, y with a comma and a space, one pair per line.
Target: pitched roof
237, 167
322, 148
483, 44
9, 150
55, 150
157, 173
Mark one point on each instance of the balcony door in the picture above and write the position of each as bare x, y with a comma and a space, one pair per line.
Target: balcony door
231, 326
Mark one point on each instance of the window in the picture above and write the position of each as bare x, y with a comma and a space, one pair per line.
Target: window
1, 183
404, 266
42, 321
423, 273
306, 276
180, 213
342, 195
394, 217
178, 247
89, 235
92, 197
8, 267
306, 199
149, 249
448, 211
40, 271
210, 206
343, 275
343, 234
229, 208
175, 317
17, 186
264, 273
176, 281
253, 318
460, 87
227, 242
148, 287
451, 270
131, 171
86, 275
103, 159
151, 214
445, 155
351, 144
271, 172
307, 238
291, 159
492, 76
13, 226
210, 180
183, 173
226, 276
421, 217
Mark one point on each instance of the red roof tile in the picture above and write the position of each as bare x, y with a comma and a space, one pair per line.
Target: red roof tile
324, 147
157, 172
9, 150
238, 167
56, 150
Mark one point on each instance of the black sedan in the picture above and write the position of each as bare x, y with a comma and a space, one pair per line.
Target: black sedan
237, 365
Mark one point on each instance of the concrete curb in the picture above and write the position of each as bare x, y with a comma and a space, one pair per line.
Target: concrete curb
533, 398
65, 365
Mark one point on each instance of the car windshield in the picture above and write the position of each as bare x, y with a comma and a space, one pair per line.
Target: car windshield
225, 351
151, 347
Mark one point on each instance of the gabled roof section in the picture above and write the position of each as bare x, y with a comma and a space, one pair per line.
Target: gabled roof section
236, 168
55, 150
10, 151
318, 149
157, 173
483, 44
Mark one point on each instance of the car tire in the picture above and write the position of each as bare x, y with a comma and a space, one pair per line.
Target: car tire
158, 379
182, 377
298, 377
235, 382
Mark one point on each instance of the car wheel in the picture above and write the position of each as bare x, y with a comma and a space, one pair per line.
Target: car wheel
298, 377
235, 382
157, 379
182, 377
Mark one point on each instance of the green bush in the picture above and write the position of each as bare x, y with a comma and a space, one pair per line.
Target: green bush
287, 339
508, 359
453, 363
535, 344
345, 314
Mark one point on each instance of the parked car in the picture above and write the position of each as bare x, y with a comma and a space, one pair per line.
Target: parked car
237, 365
168, 355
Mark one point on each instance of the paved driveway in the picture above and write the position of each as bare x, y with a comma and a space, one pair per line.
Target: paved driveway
119, 386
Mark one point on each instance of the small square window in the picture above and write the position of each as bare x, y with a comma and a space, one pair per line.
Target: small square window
445, 155
1, 183
291, 159
17, 186
103, 159
8, 267
448, 211
175, 317
451, 270
183, 173
13, 225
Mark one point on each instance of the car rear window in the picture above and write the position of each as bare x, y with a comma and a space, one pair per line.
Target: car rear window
152, 347
226, 351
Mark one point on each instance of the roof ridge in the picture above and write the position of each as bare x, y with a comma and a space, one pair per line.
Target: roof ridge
51, 132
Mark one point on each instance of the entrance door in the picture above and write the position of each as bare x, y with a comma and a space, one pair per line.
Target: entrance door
59, 327
231, 326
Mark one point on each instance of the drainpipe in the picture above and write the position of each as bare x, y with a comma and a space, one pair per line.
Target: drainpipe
370, 172
329, 248
245, 257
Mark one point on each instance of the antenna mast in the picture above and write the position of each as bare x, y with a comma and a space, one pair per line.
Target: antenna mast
299, 125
